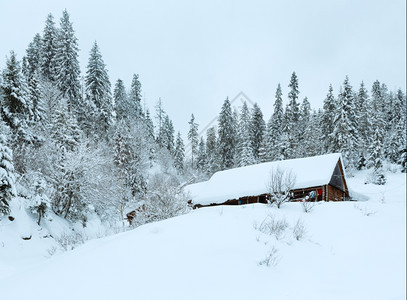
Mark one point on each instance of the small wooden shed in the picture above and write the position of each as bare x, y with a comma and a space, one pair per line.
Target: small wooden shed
318, 178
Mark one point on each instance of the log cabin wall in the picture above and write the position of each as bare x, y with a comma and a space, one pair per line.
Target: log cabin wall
335, 194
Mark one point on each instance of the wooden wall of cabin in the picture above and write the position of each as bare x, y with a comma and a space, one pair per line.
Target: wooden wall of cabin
334, 194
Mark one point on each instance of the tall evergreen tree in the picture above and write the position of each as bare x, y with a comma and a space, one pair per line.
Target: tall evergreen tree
201, 161
179, 154
34, 55
257, 130
274, 127
212, 157
327, 125
135, 98
67, 64
291, 117
98, 92
193, 138
122, 107
244, 151
304, 119
7, 175
226, 136
15, 109
345, 135
49, 49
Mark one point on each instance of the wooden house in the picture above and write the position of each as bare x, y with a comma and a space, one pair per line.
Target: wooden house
318, 178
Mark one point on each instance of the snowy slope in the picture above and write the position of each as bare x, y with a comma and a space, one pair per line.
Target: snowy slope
352, 250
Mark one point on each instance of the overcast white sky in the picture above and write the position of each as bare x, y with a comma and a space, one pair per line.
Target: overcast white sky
193, 54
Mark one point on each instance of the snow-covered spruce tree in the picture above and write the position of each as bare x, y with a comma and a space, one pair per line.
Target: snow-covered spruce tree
67, 64
312, 135
35, 97
168, 135
14, 107
291, 116
328, 117
257, 130
396, 136
345, 139
376, 158
136, 110
179, 154
304, 119
274, 128
7, 175
226, 136
212, 156
98, 95
362, 114
122, 105
49, 48
34, 55
244, 149
149, 126
160, 116
193, 139
201, 159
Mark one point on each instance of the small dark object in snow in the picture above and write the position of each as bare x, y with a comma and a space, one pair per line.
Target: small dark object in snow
11, 218
27, 238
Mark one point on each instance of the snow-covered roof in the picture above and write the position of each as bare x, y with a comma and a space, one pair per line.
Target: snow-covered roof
252, 180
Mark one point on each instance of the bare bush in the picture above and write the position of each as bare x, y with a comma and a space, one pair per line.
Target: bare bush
271, 258
279, 186
70, 241
299, 230
271, 226
307, 206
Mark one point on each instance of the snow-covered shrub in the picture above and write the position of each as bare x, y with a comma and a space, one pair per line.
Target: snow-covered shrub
299, 230
70, 241
376, 177
164, 198
279, 185
307, 206
38, 201
271, 258
272, 226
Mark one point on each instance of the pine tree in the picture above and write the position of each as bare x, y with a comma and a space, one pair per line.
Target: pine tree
14, 109
226, 136
179, 154
304, 119
122, 106
160, 116
376, 158
201, 161
292, 112
257, 130
245, 153
345, 133
212, 151
49, 48
135, 98
35, 97
98, 94
193, 138
274, 128
34, 55
67, 64
7, 175
362, 114
168, 135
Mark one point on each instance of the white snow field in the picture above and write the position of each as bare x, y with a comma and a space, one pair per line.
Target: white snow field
351, 250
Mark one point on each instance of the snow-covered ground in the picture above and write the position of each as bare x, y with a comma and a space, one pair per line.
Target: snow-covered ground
351, 250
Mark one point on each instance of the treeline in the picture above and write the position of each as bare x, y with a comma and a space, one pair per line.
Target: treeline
75, 148
367, 128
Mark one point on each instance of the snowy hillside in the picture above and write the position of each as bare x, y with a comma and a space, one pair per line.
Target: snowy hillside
350, 250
